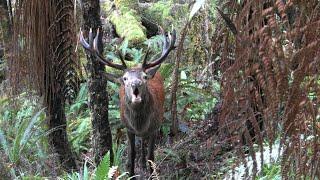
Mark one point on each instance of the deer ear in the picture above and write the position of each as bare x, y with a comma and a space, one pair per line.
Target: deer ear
152, 71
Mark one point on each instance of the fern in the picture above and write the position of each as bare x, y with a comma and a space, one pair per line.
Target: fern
267, 76
118, 154
81, 99
23, 135
102, 170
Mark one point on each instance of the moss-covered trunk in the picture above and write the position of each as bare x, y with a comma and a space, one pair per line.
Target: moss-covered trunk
102, 139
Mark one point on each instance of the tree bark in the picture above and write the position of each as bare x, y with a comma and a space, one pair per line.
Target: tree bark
6, 21
174, 89
102, 138
61, 33
58, 137
6, 28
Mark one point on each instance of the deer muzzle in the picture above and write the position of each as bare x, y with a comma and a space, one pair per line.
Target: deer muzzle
136, 92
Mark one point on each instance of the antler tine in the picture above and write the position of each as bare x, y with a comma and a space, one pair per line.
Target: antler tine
90, 37
92, 47
95, 41
168, 45
84, 43
121, 58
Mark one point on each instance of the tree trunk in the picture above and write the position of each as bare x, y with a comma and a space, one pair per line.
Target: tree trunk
102, 139
58, 137
6, 34
6, 21
61, 33
174, 89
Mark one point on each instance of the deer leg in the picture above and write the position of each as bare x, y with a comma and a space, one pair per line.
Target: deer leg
151, 146
131, 153
143, 153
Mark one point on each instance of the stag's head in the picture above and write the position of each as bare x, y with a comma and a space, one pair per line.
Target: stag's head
134, 80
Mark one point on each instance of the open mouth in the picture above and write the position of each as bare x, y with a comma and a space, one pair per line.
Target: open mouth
136, 92
136, 97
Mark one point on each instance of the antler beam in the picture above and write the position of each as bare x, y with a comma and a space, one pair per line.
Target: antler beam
168, 45
92, 47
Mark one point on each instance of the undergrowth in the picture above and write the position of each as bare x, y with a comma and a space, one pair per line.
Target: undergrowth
265, 76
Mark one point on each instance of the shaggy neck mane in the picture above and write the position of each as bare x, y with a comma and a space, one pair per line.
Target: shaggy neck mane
139, 114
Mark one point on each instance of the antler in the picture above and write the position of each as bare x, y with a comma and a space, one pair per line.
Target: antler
94, 50
168, 45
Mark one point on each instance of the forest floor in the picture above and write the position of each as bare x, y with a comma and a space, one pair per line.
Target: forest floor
194, 154
203, 153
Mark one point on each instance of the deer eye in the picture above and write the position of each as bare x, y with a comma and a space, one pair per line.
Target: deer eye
124, 78
145, 77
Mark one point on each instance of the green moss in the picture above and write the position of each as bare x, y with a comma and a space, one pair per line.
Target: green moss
106, 6
129, 27
160, 12
126, 20
165, 13
126, 5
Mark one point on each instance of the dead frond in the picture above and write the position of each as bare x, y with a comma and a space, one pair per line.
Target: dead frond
270, 81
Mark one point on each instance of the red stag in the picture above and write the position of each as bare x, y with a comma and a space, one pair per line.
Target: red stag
141, 96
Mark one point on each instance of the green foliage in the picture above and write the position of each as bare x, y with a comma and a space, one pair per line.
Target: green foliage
22, 139
106, 6
126, 20
79, 129
212, 10
154, 44
160, 12
23, 136
84, 174
195, 98
80, 102
79, 134
166, 14
126, 5
101, 172
103, 168
128, 26
166, 71
118, 153
173, 155
79, 125
270, 171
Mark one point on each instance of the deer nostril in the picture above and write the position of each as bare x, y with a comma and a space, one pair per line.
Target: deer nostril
138, 82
